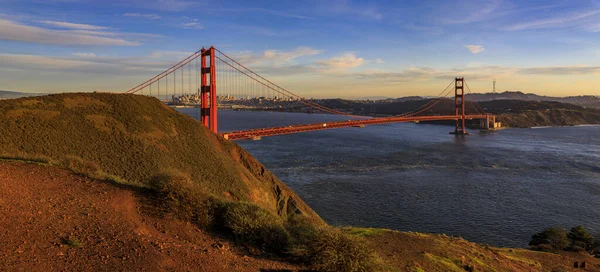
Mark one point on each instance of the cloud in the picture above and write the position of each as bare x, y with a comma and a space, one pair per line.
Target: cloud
290, 55
277, 13
84, 55
347, 60
475, 49
72, 25
13, 31
379, 61
562, 70
173, 55
191, 25
471, 12
372, 13
274, 57
553, 22
145, 16
83, 63
427, 73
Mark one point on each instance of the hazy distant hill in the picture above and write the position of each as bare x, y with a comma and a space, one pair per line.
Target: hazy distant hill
586, 100
11, 95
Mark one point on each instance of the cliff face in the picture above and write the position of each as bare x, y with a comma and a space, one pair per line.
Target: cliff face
136, 138
549, 117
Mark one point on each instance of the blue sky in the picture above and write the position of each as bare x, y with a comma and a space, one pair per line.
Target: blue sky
334, 48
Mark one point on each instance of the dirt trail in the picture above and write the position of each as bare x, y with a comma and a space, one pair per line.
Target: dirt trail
42, 208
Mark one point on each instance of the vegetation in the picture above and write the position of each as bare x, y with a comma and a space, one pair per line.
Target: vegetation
320, 247
557, 238
72, 242
551, 239
580, 239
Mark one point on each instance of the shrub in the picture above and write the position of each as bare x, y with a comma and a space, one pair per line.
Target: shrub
580, 238
331, 250
554, 238
253, 224
182, 197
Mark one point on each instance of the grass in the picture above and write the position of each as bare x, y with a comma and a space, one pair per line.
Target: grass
363, 232
448, 263
72, 242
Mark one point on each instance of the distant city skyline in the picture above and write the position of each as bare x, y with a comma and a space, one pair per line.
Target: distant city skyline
335, 48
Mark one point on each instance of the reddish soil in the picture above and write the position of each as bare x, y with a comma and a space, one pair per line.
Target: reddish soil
43, 207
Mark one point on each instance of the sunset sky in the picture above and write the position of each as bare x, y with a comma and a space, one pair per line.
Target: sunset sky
316, 48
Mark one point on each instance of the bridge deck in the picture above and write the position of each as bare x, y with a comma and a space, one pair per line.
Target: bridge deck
249, 134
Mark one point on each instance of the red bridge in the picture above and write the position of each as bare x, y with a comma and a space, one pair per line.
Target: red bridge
193, 82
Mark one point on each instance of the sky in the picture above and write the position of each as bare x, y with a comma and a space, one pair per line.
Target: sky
315, 48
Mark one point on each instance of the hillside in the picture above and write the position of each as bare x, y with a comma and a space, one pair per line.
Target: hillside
122, 182
582, 100
524, 114
136, 139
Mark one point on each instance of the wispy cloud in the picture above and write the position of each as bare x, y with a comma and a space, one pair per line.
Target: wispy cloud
347, 60
473, 11
13, 31
475, 49
277, 13
83, 63
287, 56
562, 70
84, 55
72, 25
144, 16
560, 21
191, 24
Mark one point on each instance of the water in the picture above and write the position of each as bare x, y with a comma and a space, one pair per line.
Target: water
495, 188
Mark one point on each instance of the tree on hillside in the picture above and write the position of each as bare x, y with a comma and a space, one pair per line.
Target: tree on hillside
550, 239
580, 238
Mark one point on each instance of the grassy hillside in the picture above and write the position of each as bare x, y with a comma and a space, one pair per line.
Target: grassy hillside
134, 139
518, 113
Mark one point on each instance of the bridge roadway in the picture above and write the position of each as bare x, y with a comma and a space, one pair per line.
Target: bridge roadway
252, 133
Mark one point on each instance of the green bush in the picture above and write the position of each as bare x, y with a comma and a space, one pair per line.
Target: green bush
580, 238
253, 224
331, 250
182, 197
554, 238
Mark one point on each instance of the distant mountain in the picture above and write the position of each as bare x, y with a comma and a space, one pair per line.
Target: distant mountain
12, 95
585, 100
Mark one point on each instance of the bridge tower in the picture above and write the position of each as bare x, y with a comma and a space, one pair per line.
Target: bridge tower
208, 90
459, 105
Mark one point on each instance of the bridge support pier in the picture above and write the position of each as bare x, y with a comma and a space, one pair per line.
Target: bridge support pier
459, 105
208, 109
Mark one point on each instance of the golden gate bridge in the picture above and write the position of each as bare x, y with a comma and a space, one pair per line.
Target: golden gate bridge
199, 75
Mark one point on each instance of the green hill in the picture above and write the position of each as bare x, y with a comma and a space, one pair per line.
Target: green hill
135, 139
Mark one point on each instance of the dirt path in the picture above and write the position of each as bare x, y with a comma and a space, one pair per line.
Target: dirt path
43, 208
